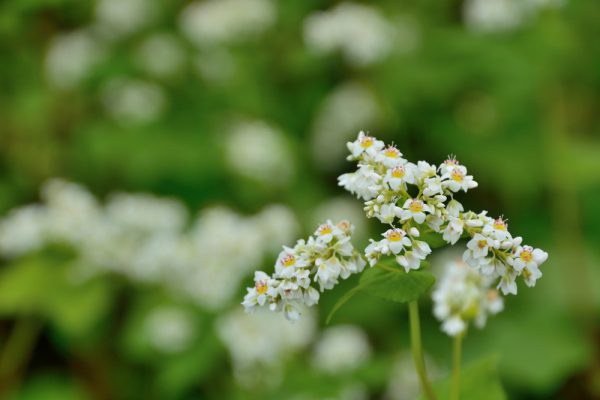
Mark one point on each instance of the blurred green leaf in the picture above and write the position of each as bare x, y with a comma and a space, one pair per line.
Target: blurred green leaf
479, 380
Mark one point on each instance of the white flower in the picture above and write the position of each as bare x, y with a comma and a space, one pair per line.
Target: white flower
462, 295
390, 157
453, 230
71, 57
359, 32
414, 209
528, 257
264, 287
396, 177
457, 179
327, 272
395, 240
498, 230
409, 260
258, 150
365, 144
326, 232
478, 247
433, 186
424, 170
373, 252
365, 182
133, 101
387, 213
169, 329
218, 22
340, 349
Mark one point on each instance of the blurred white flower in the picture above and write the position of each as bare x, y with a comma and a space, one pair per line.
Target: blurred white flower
259, 151
340, 349
492, 15
169, 329
71, 56
117, 18
502, 15
23, 230
213, 22
463, 295
145, 239
359, 32
160, 55
404, 381
132, 101
72, 212
262, 339
344, 110
145, 213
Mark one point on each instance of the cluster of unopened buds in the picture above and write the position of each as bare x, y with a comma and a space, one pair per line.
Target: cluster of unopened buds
414, 200
322, 259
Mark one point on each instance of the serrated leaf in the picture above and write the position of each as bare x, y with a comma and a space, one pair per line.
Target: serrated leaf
395, 284
479, 380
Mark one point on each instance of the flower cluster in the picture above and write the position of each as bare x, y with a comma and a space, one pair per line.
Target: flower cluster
419, 198
463, 295
148, 239
324, 258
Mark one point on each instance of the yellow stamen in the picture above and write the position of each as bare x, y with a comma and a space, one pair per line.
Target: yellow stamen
398, 172
288, 260
392, 152
526, 256
457, 175
482, 244
325, 229
416, 206
261, 287
366, 142
394, 236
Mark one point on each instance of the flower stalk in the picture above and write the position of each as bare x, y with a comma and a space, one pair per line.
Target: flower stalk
417, 349
456, 354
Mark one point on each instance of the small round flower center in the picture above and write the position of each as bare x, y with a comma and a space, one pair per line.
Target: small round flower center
457, 175
398, 172
261, 287
288, 260
325, 229
366, 142
394, 235
392, 152
526, 256
416, 206
481, 244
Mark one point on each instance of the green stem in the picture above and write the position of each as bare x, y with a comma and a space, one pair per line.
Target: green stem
417, 350
455, 393
16, 352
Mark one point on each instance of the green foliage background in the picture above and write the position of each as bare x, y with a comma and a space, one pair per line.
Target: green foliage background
520, 108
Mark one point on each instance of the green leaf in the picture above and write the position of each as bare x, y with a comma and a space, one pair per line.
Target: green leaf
479, 380
394, 284
388, 281
343, 300
433, 239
